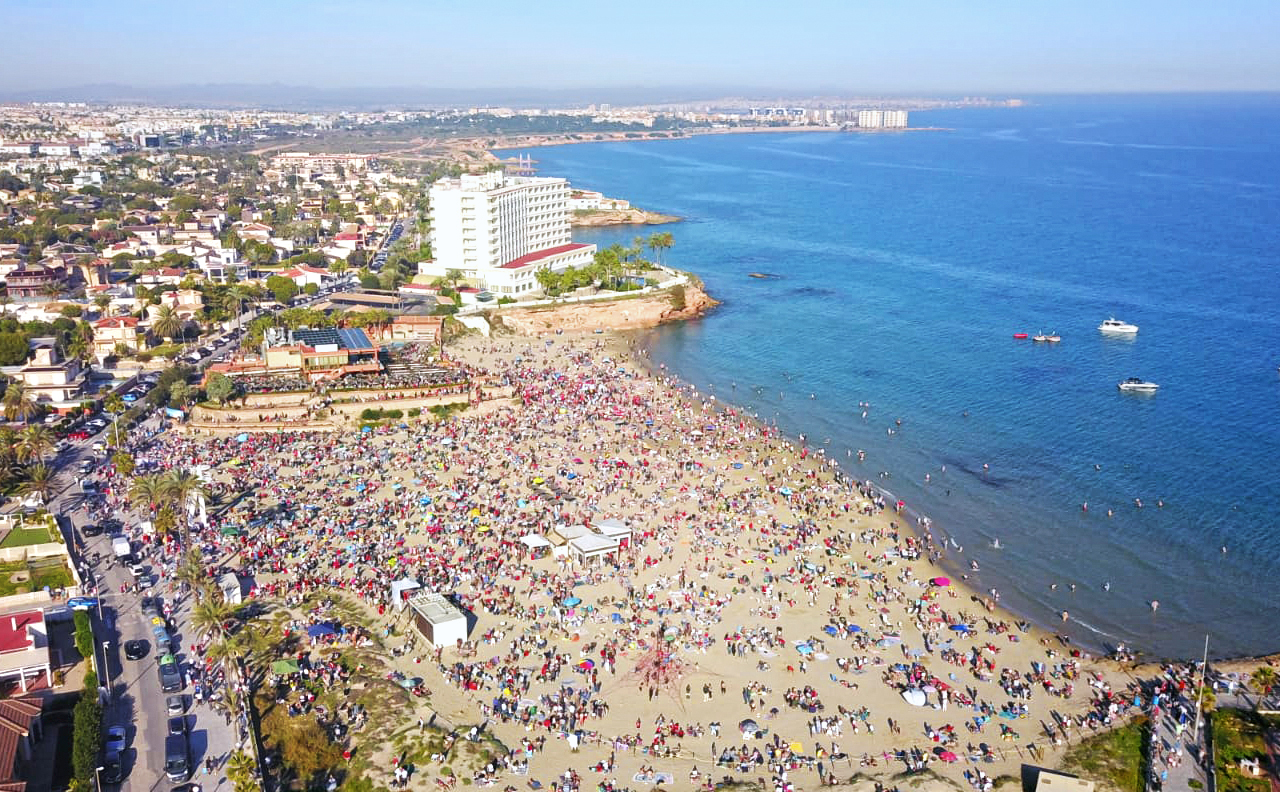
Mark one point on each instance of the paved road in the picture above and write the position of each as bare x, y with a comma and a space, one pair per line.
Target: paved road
136, 700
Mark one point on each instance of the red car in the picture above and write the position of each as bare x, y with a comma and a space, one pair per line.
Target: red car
79, 434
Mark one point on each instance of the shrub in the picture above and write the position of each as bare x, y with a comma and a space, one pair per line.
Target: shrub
414, 412
394, 415
369, 414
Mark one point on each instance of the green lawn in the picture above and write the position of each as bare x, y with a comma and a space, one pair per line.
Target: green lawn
1114, 760
1238, 734
29, 534
53, 575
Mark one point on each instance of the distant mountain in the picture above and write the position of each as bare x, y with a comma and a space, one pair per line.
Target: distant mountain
303, 97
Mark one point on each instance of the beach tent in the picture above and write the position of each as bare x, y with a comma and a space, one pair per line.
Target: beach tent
283, 667
538, 545
915, 697
614, 529
748, 728
318, 630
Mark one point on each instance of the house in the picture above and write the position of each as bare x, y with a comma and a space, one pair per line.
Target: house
416, 328
351, 240
424, 290
35, 281
258, 231
114, 330
48, 378
303, 275
24, 649
162, 276
20, 728
187, 303
147, 234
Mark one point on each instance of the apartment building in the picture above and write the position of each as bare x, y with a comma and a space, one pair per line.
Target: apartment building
498, 230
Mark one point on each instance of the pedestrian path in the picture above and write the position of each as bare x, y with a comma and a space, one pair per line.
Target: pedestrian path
1177, 753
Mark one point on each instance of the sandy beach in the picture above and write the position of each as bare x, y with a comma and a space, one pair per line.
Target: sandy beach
769, 622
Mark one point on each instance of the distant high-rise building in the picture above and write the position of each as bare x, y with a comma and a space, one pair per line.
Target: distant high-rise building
895, 119
500, 230
870, 119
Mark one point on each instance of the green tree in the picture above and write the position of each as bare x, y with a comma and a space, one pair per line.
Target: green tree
180, 395
123, 463
102, 302
35, 442
219, 387
115, 405
242, 771
84, 636
13, 349
18, 404
1263, 678
86, 736
184, 488
148, 491
282, 288
167, 323
38, 481
660, 242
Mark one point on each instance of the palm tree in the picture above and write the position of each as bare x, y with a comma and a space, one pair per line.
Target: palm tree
210, 617
38, 481
167, 323
35, 443
182, 488
193, 572
1263, 678
659, 242
115, 405
242, 771
18, 404
102, 301
150, 490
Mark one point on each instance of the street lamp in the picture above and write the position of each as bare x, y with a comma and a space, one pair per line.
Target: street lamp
106, 665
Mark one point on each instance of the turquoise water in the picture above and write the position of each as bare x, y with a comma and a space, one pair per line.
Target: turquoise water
906, 261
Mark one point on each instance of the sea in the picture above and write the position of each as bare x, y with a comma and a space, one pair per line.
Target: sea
899, 265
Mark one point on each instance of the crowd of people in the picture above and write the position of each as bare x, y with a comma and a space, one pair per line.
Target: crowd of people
750, 560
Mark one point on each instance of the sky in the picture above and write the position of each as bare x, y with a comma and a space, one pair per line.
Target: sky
848, 47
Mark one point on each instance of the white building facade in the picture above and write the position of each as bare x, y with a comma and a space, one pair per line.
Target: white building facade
491, 227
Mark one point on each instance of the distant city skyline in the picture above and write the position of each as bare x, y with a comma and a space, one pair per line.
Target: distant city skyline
563, 46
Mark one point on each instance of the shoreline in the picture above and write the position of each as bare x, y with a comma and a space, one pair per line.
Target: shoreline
948, 562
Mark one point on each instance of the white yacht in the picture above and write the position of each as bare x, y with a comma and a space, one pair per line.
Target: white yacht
1135, 385
1114, 325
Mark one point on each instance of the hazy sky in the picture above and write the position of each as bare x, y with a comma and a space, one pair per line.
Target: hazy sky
848, 46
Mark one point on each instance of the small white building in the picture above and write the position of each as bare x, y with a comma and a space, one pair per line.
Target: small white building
585, 548
232, 592
438, 619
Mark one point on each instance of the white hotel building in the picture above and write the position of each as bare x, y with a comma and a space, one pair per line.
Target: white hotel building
500, 230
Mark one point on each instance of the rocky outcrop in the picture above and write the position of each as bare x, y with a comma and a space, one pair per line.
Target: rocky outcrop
674, 305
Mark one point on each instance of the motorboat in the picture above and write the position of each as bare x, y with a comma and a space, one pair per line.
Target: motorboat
1020, 336
1051, 338
1135, 385
1117, 327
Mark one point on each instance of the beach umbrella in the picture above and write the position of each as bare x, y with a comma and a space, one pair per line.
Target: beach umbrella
242, 437
283, 667
749, 726
830, 630
317, 630
796, 747
941, 581
587, 664
946, 756
785, 491
915, 652
616, 618
914, 697
569, 602
737, 466
853, 628
960, 628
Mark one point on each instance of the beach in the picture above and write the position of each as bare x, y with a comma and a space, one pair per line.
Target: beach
765, 620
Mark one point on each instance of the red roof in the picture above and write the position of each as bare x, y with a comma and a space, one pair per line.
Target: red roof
14, 636
349, 236
539, 255
117, 321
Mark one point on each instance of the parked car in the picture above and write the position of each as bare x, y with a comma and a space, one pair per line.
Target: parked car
170, 676
91, 529
82, 603
112, 769
135, 650
178, 724
115, 739
175, 705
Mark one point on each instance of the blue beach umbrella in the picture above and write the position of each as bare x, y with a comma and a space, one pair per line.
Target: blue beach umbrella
853, 628
569, 602
960, 628
317, 630
830, 630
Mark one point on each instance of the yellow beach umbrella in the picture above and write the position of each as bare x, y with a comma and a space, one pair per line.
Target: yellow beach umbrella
796, 747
